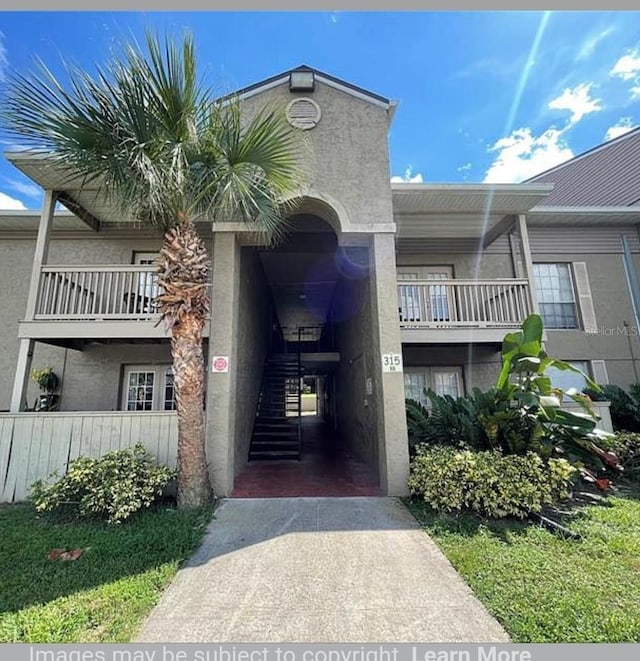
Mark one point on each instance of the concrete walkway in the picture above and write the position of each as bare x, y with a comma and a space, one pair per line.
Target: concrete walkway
318, 570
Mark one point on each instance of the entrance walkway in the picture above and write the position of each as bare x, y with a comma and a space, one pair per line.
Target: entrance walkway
326, 469
318, 570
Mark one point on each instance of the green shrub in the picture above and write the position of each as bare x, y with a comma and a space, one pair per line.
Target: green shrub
626, 445
483, 420
113, 487
488, 483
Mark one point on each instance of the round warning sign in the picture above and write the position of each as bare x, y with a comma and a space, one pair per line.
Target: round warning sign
220, 364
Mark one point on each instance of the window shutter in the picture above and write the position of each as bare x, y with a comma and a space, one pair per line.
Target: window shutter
599, 371
583, 290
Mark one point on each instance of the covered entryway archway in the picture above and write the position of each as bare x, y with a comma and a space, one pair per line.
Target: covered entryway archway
303, 442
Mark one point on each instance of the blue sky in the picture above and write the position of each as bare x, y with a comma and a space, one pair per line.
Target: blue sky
484, 96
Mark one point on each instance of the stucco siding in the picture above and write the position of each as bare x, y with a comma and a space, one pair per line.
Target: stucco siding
465, 265
253, 343
356, 411
347, 152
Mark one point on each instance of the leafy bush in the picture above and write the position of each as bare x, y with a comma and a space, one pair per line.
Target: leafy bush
488, 483
523, 413
626, 446
113, 487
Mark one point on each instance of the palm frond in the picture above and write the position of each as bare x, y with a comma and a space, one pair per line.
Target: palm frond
143, 128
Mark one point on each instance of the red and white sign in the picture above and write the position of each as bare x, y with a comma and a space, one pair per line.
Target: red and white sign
220, 364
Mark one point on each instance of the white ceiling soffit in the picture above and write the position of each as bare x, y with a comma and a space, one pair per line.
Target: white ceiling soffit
437, 226
499, 199
29, 221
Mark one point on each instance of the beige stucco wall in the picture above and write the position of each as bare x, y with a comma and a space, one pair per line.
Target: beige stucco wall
356, 411
253, 335
347, 156
465, 265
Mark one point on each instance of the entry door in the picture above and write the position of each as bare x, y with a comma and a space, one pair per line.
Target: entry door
418, 305
147, 288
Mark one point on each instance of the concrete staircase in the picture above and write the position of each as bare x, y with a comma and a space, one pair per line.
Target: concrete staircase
276, 430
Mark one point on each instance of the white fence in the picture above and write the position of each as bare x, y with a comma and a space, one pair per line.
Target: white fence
33, 445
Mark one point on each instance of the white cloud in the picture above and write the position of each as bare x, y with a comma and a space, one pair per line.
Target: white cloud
627, 67
577, 101
408, 177
622, 126
30, 190
464, 168
591, 43
10, 203
522, 155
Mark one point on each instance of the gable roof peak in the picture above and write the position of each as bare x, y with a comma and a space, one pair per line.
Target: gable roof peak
320, 76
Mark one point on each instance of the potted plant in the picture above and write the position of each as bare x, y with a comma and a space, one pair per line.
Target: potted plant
48, 382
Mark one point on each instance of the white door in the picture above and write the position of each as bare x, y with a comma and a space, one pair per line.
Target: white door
418, 303
148, 388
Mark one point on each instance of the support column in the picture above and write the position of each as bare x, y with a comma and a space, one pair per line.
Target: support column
41, 251
221, 387
393, 446
23, 367
25, 350
527, 261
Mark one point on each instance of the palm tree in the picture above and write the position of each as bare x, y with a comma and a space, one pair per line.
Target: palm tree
146, 129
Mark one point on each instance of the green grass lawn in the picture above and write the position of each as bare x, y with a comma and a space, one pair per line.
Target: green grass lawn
104, 595
545, 588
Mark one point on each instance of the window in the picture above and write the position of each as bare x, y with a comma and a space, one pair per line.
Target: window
442, 380
566, 379
148, 388
556, 299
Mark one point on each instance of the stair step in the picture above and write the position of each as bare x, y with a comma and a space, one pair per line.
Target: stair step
274, 434
268, 446
280, 454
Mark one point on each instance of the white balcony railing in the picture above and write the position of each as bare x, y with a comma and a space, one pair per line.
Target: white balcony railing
463, 303
97, 292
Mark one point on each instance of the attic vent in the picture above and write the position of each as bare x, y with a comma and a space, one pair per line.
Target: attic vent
303, 113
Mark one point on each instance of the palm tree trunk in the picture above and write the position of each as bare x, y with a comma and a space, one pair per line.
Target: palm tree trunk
188, 368
183, 268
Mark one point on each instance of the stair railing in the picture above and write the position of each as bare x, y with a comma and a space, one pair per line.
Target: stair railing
299, 394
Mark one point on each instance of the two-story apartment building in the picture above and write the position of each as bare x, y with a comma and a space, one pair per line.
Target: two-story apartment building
380, 290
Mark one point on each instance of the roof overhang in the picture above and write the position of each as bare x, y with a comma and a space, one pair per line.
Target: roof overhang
551, 216
470, 211
29, 221
86, 199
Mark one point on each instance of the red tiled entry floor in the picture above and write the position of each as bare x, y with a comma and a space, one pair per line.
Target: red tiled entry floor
326, 469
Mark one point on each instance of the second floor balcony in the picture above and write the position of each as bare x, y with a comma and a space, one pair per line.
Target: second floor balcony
461, 310
102, 302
